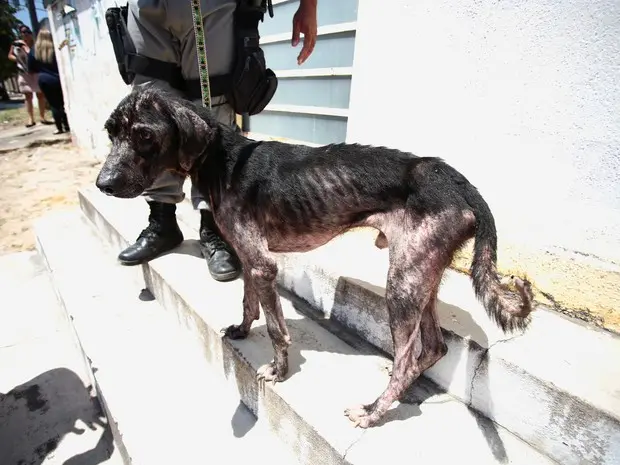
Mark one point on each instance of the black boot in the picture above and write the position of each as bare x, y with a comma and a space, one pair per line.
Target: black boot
221, 259
161, 235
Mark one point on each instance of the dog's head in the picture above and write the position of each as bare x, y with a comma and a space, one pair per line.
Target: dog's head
152, 132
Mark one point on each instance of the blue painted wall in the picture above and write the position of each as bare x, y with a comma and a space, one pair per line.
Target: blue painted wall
332, 50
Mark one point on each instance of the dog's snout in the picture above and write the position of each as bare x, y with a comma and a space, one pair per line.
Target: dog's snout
108, 183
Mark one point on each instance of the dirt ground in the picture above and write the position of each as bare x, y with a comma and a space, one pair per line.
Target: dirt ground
34, 181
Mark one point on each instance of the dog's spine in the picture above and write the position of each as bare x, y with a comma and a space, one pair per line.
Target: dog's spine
509, 310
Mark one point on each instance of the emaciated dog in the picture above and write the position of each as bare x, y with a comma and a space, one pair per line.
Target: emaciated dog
270, 197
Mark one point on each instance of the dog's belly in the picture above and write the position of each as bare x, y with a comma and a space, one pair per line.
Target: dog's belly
296, 242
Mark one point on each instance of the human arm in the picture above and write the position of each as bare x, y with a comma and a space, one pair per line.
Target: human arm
12, 56
304, 22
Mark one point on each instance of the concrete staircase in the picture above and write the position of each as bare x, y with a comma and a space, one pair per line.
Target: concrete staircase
49, 411
547, 396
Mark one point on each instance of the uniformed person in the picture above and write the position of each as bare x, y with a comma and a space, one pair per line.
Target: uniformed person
163, 30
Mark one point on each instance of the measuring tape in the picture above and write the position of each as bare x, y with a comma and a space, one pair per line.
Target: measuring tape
201, 52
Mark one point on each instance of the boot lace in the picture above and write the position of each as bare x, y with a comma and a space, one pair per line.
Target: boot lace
156, 226
152, 231
212, 242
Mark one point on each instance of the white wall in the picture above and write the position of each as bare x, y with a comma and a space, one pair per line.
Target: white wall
522, 97
91, 83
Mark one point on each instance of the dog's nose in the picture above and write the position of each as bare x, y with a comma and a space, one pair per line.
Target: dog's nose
108, 183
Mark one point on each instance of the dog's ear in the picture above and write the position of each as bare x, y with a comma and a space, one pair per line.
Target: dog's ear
194, 134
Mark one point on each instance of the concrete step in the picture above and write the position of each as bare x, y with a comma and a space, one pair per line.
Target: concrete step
168, 404
556, 386
49, 413
326, 374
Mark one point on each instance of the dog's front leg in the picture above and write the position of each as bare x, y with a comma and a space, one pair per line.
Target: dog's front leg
251, 310
264, 278
260, 271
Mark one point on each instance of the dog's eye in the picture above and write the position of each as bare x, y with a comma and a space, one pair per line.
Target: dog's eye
143, 135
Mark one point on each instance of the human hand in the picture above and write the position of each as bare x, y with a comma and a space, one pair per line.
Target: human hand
304, 22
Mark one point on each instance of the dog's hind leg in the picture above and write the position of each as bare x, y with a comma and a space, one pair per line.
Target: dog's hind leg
251, 310
433, 345
416, 267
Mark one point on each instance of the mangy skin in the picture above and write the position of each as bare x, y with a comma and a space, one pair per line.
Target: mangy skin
274, 197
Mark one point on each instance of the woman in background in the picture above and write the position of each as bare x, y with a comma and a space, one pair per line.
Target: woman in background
42, 60
27, 81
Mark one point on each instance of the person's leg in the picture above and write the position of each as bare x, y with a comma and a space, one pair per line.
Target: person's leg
62, 115
25, 89
65, 121
218, 26
48, 89
150, 37
162, 233
151, 31
29, 109
33, 83
221, 258
42, 104
57, 121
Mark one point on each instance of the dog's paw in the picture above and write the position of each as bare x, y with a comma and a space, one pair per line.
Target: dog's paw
235, 332
269, 372
361, 416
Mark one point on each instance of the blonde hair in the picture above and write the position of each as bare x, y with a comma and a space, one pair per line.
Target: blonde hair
44, 47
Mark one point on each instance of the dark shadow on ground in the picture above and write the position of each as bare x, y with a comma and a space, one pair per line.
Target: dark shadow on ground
242, 420
37, 415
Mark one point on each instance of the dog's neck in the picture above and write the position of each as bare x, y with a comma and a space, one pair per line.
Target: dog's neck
213, 170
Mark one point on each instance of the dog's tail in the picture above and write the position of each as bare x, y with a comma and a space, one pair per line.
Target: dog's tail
509, 310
